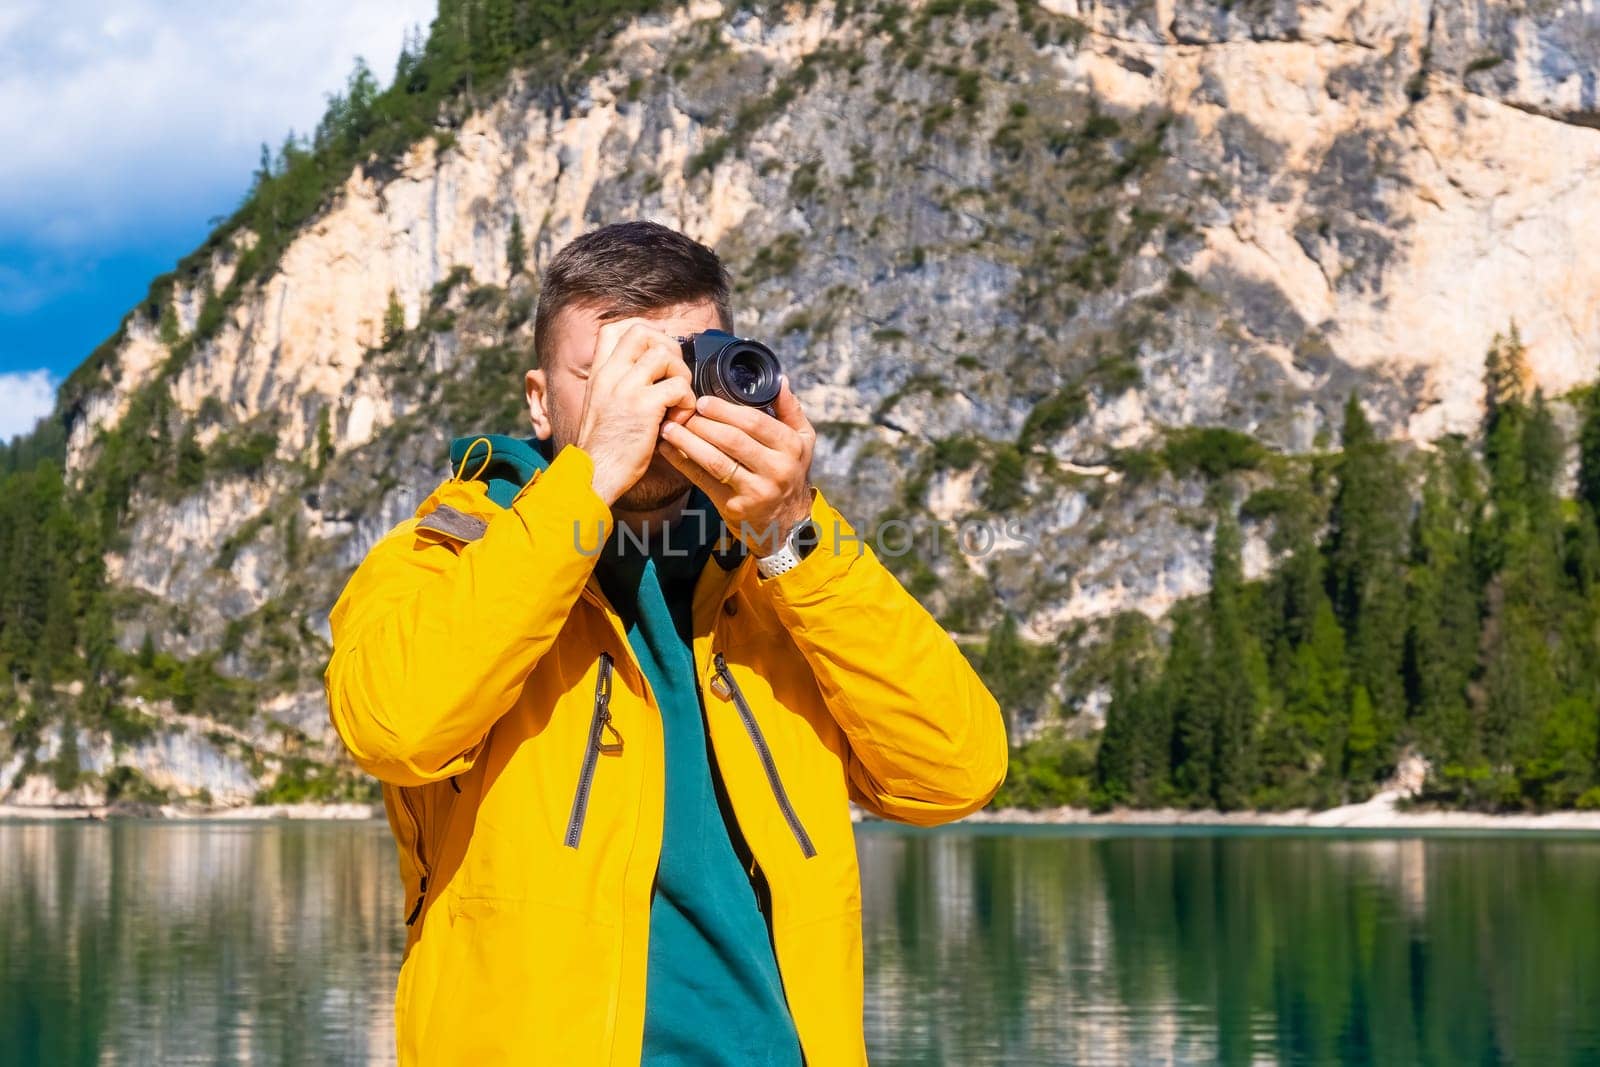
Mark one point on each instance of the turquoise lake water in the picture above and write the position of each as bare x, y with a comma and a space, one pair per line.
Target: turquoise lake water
171, 943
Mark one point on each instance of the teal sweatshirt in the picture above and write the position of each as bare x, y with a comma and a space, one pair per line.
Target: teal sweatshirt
713, 995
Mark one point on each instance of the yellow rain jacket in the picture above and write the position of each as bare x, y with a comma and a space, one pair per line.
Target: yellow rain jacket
479, 673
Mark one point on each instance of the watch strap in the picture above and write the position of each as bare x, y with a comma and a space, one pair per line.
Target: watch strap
795, 548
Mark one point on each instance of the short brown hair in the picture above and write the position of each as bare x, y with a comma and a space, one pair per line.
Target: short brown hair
628, 268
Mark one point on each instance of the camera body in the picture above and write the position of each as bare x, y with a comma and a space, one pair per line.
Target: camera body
737, 369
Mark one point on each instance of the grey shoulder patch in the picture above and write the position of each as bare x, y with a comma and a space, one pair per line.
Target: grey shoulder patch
454, 523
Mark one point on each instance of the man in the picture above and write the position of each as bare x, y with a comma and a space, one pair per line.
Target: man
620, 681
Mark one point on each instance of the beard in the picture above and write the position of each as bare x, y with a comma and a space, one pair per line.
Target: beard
659, 486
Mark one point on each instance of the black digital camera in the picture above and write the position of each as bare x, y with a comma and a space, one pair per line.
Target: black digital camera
737, 369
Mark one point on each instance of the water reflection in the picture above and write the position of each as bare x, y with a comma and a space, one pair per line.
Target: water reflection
1045, 948
171, 943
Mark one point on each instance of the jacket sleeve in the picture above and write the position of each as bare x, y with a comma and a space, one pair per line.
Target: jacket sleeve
927, 740
432, 640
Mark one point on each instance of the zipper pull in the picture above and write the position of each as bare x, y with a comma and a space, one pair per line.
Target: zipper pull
602, 703
719, 681
611, 748
422, 894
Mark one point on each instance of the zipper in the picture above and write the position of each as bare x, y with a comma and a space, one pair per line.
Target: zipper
422, 894
599, 723
724, 686
422, 858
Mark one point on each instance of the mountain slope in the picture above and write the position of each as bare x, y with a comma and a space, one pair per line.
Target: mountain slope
1008, 250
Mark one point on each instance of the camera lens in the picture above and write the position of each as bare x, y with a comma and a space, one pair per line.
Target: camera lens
745, 374
741, 372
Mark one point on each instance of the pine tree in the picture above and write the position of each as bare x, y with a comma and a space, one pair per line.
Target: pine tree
1366, 573
98, 636
1523, 659
1186, 683
1505, 374
406, 64
1152, 783
1015, 673
325, 446
1362, 739
1504, 430
1589, 452
394, 322
1583, 554
1232, 670
1303, 577
65, 768
263, 171
167, 327
1133, 742
1301, 751
191, 466
28, 590
1520, 683
516, 247
1443, 606
1559, 766
1116, 766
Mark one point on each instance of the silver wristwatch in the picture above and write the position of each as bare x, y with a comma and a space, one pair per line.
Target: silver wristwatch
796, 547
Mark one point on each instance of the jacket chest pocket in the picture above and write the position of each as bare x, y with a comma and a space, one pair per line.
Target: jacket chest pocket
601, 739
724, 685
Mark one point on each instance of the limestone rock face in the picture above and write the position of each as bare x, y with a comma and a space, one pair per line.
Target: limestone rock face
1041, 236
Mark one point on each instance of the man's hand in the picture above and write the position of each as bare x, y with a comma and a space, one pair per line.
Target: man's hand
753, 466
637, 380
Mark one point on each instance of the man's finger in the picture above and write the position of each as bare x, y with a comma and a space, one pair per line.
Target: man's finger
681, 411
675, 398
730, 441
619, 345
788, 411
654, 363
719, 492
723, 468
606, 341
751, 421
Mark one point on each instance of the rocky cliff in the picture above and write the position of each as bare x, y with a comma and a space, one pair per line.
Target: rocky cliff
1014, 254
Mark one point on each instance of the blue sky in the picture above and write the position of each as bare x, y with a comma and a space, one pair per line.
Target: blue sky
126, 130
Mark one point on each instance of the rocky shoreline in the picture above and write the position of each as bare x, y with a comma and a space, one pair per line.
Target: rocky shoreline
1386, 811
250, 812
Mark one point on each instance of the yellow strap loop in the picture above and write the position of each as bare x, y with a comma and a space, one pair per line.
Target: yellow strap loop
489, 451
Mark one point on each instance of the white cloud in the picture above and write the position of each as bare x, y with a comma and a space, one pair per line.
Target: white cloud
25, 398
120, 110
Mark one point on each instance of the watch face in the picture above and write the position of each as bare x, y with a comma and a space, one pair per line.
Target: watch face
805, 537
